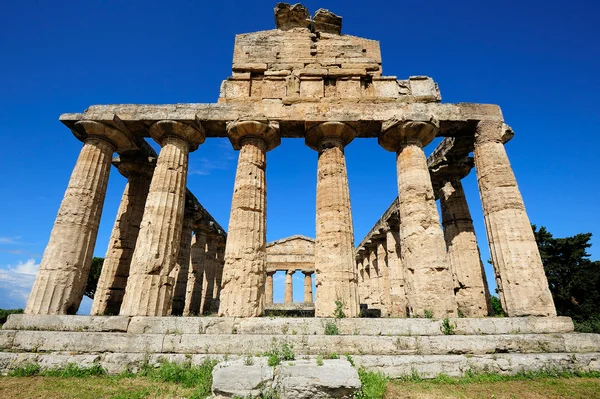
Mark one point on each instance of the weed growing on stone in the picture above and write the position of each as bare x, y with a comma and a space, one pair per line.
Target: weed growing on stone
280, 353
320, 360
447, 327
373, 385
350, 360
428, 314
248, 360
338, 313
331, 328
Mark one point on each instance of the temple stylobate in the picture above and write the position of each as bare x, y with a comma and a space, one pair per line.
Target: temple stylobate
302, 80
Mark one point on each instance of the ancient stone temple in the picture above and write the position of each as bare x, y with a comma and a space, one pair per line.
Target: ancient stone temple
168, 256
303, 79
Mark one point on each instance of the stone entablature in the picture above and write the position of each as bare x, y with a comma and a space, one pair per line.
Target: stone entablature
306, 60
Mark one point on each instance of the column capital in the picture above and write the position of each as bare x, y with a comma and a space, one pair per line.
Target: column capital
120, 141
419, 129
290, 272
193, 135
329, 134
135, 166
265, 131
493, 131
307, 272
271, 273
451, 171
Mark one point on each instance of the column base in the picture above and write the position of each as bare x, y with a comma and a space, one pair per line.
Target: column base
148, 295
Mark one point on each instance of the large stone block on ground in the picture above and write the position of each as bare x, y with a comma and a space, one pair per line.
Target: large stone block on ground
304, 379
242, 378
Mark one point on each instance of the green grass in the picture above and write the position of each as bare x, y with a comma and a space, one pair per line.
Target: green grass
198, 378
373, 385
279, 352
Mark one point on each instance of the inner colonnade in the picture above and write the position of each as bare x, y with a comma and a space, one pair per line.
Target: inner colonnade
305, 80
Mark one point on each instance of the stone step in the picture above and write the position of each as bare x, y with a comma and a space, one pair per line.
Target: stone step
35, 341
289, 326
425, 366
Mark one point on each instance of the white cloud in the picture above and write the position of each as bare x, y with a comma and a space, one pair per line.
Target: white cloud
16, 282
9, 240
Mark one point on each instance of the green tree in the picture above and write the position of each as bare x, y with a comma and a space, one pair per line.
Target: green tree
92, 282
573, 278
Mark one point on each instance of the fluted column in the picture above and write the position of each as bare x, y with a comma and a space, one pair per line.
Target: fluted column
308, 287
367, 300
337, 279
150, 285
243, 285
374, 281
384, 276
397, 305
429, 285
210, 266
183, 266
115, 269
522, 284
288, 295
193, 295
269, 288
65, 265
219, 270
470, 286
361, 277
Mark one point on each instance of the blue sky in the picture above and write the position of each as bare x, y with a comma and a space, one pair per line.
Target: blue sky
539, 60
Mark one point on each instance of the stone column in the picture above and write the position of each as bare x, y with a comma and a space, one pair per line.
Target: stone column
384, 277
150, 284
219, 269
397, 306
374, 281
269, 288
367, 278
243, 285
337, 279
429, 285
65, 265
288, 295
522, 284
308, 287
115, 270
193, 295
182, 267
470, 286
210, 265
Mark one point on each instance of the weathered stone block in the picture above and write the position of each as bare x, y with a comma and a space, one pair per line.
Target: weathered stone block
66, 323
385, 88
165, 325
348, 88
311, 88
423, 88
236, 378
237, 88
33, 341
304, 379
